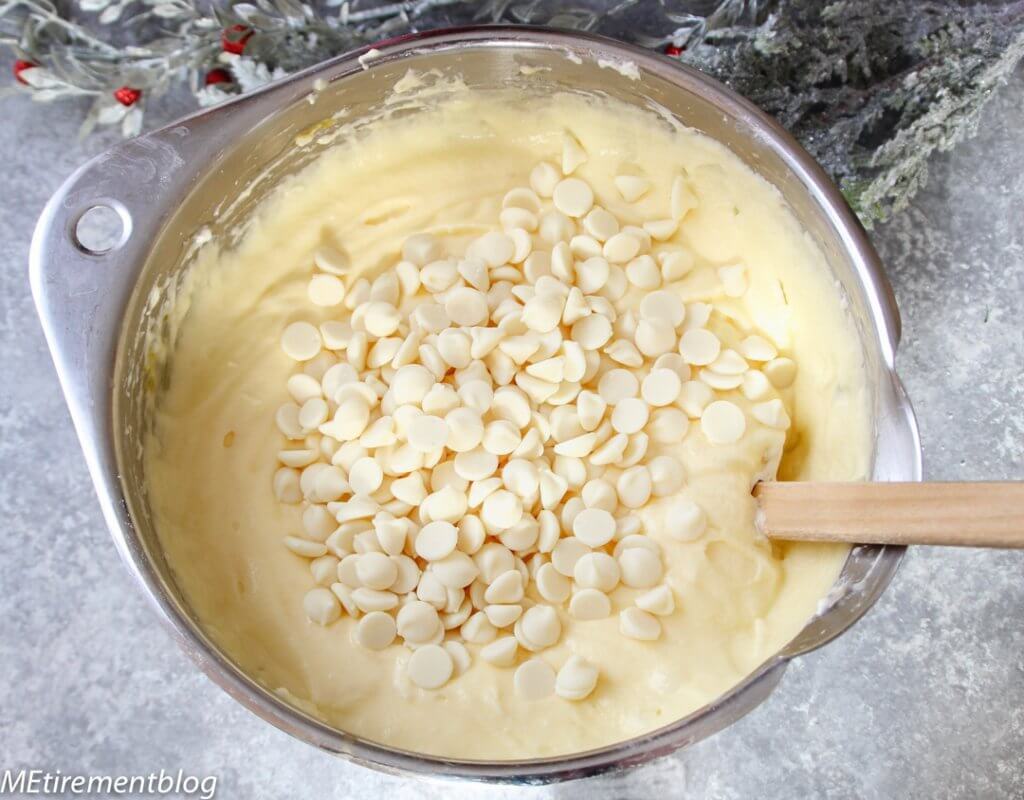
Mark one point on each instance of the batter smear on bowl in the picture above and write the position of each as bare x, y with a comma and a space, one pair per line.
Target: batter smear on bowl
462, 432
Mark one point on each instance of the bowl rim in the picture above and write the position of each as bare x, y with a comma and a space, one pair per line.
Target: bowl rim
90, 396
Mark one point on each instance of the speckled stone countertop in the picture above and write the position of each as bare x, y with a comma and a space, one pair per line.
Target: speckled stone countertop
924, 698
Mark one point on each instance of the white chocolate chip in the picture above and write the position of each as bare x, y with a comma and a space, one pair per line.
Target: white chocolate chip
771, 413
501, 510
409, 489
632, 187
687, 520
376, 630
617, 385
521, 197
682, 198
591, 332
621, 248
430, 667
365, 476
318, 522
326, 290
408, 575
538, 628
781, 372
534, 680
552, 585
503, 615
694, 398
661, 387
515, 217
663, 306
552, 488
456, 570
381, 319
600, 224
478, 629
755, 385
667, 475
717, 380
543, 312
612, 450
506, 588
661, 229
594, 527
573, 155
321, 606
757, 348
723, 422
501, 652
411, 383
501, 437
421, 249
494, 248
436, 540
734, 279
699, 346
624, 352
643, 272
630, 415
418, 621
460, 655
573, 197
654, 337
596, 571
640, 568
576, 679
447, 503
427, 433
466, 306
566, 553
376, 571
729, 362
638, 624
590, 604
476, 464
676, 265
331, 260
634, 486
590, 408
598, 493
543, 179
301, 341
658, 601
304, 547
286, 486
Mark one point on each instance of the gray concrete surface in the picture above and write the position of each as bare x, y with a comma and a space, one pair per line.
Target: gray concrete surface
923, 699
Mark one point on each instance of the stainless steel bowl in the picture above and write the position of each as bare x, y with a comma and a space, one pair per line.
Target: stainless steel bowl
99, 308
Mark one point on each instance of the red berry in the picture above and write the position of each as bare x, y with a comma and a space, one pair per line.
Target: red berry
20, 66
217, 75
673, 50
234, 38
127, 96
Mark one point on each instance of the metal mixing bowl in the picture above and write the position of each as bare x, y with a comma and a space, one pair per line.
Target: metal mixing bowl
102, 312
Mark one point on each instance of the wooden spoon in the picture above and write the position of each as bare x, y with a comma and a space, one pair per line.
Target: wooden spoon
953, 514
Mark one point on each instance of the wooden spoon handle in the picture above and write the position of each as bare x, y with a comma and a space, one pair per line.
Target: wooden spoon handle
954, 514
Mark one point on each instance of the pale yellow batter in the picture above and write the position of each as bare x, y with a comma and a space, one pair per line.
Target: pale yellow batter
211, 461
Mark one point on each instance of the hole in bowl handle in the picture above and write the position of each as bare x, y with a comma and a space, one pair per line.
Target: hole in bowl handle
101, 227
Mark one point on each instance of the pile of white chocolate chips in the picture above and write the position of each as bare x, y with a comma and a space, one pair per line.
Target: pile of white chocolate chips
472, 434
